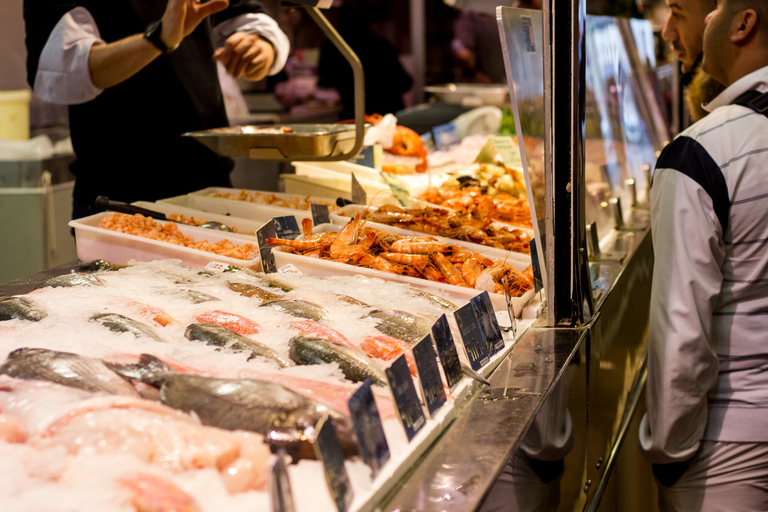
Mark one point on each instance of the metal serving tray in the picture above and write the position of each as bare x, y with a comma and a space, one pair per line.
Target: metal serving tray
306, 141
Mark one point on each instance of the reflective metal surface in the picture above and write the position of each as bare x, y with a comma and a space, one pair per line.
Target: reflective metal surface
459, 470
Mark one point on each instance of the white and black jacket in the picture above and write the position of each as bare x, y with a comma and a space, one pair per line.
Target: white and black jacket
708, 346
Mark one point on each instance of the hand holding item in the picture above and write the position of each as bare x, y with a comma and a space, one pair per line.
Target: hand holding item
246, 55
181, 17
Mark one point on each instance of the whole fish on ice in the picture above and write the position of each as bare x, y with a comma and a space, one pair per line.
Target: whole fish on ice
285, 419
220, 336
20, 308
119, 323
355, 365
67, 369
401, 324
71, 280
298, 308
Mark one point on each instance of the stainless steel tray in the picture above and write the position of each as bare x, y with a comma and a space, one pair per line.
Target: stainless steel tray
305, 142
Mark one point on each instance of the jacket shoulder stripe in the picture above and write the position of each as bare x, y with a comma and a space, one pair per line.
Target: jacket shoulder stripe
689, 157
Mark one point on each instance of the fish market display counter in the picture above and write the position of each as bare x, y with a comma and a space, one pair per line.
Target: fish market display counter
562, 398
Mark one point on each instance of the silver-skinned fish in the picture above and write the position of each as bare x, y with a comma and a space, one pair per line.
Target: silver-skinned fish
355, 365
20, 308
285, 419
220, 336
67, 369
119, 323
298, 308
401, 324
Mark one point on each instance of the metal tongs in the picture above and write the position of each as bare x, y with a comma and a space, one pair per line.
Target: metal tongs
104, 204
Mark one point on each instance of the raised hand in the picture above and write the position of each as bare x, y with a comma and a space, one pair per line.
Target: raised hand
181, 17
246, 55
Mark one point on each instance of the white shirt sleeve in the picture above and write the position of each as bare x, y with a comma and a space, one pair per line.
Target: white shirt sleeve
687, 279
262, 25
63, 75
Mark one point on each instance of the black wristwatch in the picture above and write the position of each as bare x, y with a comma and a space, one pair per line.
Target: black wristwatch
152, 34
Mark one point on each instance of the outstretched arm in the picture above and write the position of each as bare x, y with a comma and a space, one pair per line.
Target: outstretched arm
113, 63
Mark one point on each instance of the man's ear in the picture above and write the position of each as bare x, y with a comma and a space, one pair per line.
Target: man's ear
747, 21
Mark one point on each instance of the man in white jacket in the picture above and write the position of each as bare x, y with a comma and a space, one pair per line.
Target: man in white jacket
706, 431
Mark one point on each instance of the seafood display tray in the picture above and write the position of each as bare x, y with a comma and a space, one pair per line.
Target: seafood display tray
343, 215
201, 200
336, 168
324, 268
95, 243
245, 227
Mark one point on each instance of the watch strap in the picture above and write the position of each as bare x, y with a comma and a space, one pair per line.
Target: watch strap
152, 34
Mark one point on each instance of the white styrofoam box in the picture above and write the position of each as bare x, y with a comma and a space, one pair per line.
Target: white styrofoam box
201, 200
338, 186
342, 216
95, 243
324, 268
245, 227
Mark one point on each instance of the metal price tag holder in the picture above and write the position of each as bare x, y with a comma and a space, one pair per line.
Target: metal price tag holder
265, 250
446, 350
371, 440
429, 375
302, 142
328, 451
282, 496
406, 399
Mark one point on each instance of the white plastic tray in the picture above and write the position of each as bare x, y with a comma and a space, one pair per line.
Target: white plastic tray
95, 243
325, 268
201, 200
245, 227
342, 216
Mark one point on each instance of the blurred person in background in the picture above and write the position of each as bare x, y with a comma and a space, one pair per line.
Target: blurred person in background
386, 80
137, 74
707, 389
684, 29
476, 46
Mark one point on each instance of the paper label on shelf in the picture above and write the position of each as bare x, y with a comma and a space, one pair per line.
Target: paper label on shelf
282, 496
287, 227
399, 189
328, 451
406, 399
446, 350
488, 322
289, 269
471, 335
265, 250
503, 148
429, 375
358, 192
320, 214
445, 136
371, 440
217, 266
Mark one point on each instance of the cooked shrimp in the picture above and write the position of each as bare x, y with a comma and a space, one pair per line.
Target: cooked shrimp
425, 247
446, 268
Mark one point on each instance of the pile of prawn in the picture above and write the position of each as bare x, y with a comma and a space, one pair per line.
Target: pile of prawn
454, 224
475, 203
422, 257
294, 202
